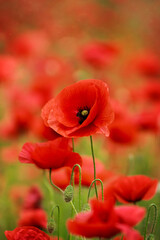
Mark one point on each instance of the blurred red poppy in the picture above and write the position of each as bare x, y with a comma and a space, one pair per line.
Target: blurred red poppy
33, 198
81, 109
53, 154
132, 188
33, 217
147, 64
149, 92
26, 232
106, 221
29, 44
148, 120
8, 68
123, 131
99, 55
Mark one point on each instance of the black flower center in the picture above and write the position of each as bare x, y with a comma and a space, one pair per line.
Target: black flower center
83, 114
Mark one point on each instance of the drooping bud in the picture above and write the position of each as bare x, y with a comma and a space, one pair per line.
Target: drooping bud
68, 193
150, 237
51, 226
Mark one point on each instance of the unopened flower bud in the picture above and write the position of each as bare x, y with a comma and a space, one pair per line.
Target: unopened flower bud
51, 226
68, 193
150, 237
86, 207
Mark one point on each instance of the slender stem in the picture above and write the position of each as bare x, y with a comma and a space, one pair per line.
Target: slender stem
58, 217
91, 187
50, 179
71, 179
94, 165
147, 220
73, 207
73, 144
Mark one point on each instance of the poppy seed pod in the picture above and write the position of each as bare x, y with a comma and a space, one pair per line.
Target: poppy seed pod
86, 207
150, 237
68, 193
51, 226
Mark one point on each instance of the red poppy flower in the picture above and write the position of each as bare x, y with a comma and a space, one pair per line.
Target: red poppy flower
53, 154
26, 232
106, 221
81, 109
61, 177
33, 217
132, 188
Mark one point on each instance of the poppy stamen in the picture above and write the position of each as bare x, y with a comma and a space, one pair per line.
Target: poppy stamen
83, 114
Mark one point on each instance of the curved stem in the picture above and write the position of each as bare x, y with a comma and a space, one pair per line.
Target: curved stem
60, 190
94, 165
147, 220
58, 217
80, 178
95, 180
50, 179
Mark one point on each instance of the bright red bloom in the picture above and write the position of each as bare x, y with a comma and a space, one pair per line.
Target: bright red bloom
132, 188
33, 217
81, 109
99, 54
26, 232
53, 154
105, 220
61, 177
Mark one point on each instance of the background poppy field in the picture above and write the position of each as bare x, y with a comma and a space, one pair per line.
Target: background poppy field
46, 46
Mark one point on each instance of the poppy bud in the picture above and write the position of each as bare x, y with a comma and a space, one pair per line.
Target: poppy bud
68, 193
86, 207
150, 237
51, 226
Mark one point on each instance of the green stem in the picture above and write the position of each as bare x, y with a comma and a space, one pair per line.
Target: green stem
94, 165
73, 207
147, 220
95, 180
58, 217
50, 179
80, 178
